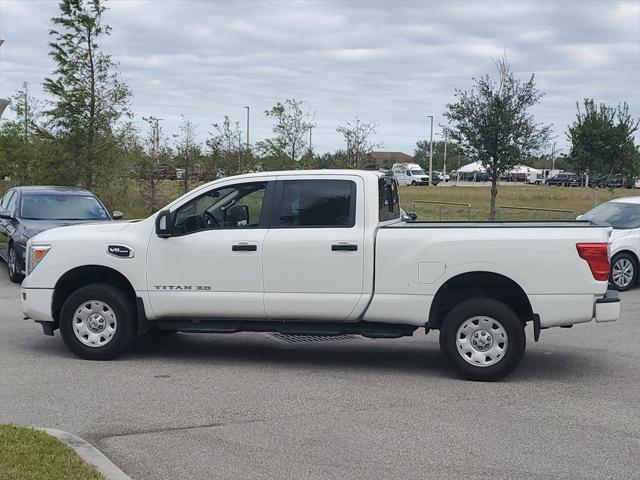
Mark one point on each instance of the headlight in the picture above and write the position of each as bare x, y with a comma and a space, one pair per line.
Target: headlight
35, 256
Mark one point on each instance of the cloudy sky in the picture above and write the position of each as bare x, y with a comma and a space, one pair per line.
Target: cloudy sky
389, 62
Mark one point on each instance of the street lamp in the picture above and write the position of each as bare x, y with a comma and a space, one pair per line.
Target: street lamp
247, 127
430, 150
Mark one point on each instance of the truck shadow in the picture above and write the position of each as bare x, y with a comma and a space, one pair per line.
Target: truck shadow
409, 357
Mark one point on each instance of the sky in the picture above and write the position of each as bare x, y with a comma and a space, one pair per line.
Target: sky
391, 62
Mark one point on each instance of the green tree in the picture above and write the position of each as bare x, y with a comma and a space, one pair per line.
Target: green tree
602, 140
188, 151
291, 128
455, 155
229, 156
359, 137
88, 97
492, 123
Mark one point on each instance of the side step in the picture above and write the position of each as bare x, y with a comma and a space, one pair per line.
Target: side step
366, 329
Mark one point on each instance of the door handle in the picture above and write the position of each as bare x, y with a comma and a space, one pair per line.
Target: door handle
344, 247
244, 247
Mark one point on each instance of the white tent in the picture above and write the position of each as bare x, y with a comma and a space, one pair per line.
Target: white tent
524, 169
471, 168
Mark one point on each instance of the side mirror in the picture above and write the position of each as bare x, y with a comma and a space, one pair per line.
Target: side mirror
163, 224
413, 216
117, 215
5, 214
237, 216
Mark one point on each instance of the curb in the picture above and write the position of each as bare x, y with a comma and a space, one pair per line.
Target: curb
89, 454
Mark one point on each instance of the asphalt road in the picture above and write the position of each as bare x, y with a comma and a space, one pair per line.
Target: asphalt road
253, 406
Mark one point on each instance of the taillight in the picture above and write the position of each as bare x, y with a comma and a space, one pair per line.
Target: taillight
597, 256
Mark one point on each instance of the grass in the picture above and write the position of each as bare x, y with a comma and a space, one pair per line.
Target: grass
29, 454
578, 200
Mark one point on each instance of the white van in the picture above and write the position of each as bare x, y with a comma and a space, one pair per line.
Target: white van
535, 178
411, 174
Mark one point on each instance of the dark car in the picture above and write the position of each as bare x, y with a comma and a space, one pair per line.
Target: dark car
482, 177
27, 211
565, 180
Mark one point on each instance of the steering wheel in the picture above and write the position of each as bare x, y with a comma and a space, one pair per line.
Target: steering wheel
209, 220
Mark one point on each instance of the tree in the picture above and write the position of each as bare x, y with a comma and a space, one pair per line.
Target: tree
154, 163
187, 150
455, 155
88, 98
228, 155
359, 137
602, 140
291, 127
493, 125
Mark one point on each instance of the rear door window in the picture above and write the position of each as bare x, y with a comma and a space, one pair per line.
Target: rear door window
388, 199
316, 203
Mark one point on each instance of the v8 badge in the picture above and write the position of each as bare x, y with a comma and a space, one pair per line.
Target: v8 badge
122, 251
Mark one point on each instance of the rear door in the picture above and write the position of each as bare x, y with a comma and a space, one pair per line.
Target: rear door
313, 253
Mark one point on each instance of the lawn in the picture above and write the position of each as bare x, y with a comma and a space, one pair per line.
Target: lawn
29, 454
578, 200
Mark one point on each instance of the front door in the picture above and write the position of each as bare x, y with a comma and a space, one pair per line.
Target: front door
313, 253
211, 266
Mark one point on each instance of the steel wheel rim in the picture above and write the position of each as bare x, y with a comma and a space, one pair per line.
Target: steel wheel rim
11, 261
622, 272
94, 323
482, 341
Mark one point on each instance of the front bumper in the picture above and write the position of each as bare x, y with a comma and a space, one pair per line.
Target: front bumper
607, 308
37, 303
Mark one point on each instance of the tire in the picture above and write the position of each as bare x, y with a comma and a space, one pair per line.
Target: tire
97, 321
495, 322
624, 272
414, 184
12, 265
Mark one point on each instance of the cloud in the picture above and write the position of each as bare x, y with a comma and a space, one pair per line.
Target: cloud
394, 63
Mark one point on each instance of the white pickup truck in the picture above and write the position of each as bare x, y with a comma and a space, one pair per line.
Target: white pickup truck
317, 253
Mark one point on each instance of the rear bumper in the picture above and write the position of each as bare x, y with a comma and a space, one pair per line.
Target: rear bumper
607, 309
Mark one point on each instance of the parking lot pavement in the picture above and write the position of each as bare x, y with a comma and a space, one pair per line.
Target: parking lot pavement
254, 406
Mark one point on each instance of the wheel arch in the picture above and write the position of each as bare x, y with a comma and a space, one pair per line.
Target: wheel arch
479, 284
630, 252
81, 276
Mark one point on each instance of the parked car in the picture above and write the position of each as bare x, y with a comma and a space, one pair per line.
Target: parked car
481, 177
565, 180
623, 214
321, 252
27, 211
412, 174
617, 181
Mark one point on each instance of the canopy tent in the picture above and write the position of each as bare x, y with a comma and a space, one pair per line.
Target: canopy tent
524, 169
471, 168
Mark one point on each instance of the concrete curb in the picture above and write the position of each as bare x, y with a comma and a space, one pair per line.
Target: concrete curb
89, 454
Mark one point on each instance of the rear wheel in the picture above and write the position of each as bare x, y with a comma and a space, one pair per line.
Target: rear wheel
483, 338
97, 322
624, 271
12, 265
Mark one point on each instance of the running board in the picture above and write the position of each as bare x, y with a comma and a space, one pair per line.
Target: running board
366, 329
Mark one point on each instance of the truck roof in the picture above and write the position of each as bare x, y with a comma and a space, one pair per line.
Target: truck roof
363, 173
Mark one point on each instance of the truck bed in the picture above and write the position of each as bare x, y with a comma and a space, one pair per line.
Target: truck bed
499, 224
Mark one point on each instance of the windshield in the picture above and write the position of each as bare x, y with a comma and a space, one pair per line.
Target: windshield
62, 207
417, 172
619, 215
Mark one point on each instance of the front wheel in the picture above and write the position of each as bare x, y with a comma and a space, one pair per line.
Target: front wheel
414, 183
624, 272
12, 265
97, 321
483, 338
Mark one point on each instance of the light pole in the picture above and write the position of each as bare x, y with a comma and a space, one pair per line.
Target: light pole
430, 149
444, 166
247, 127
